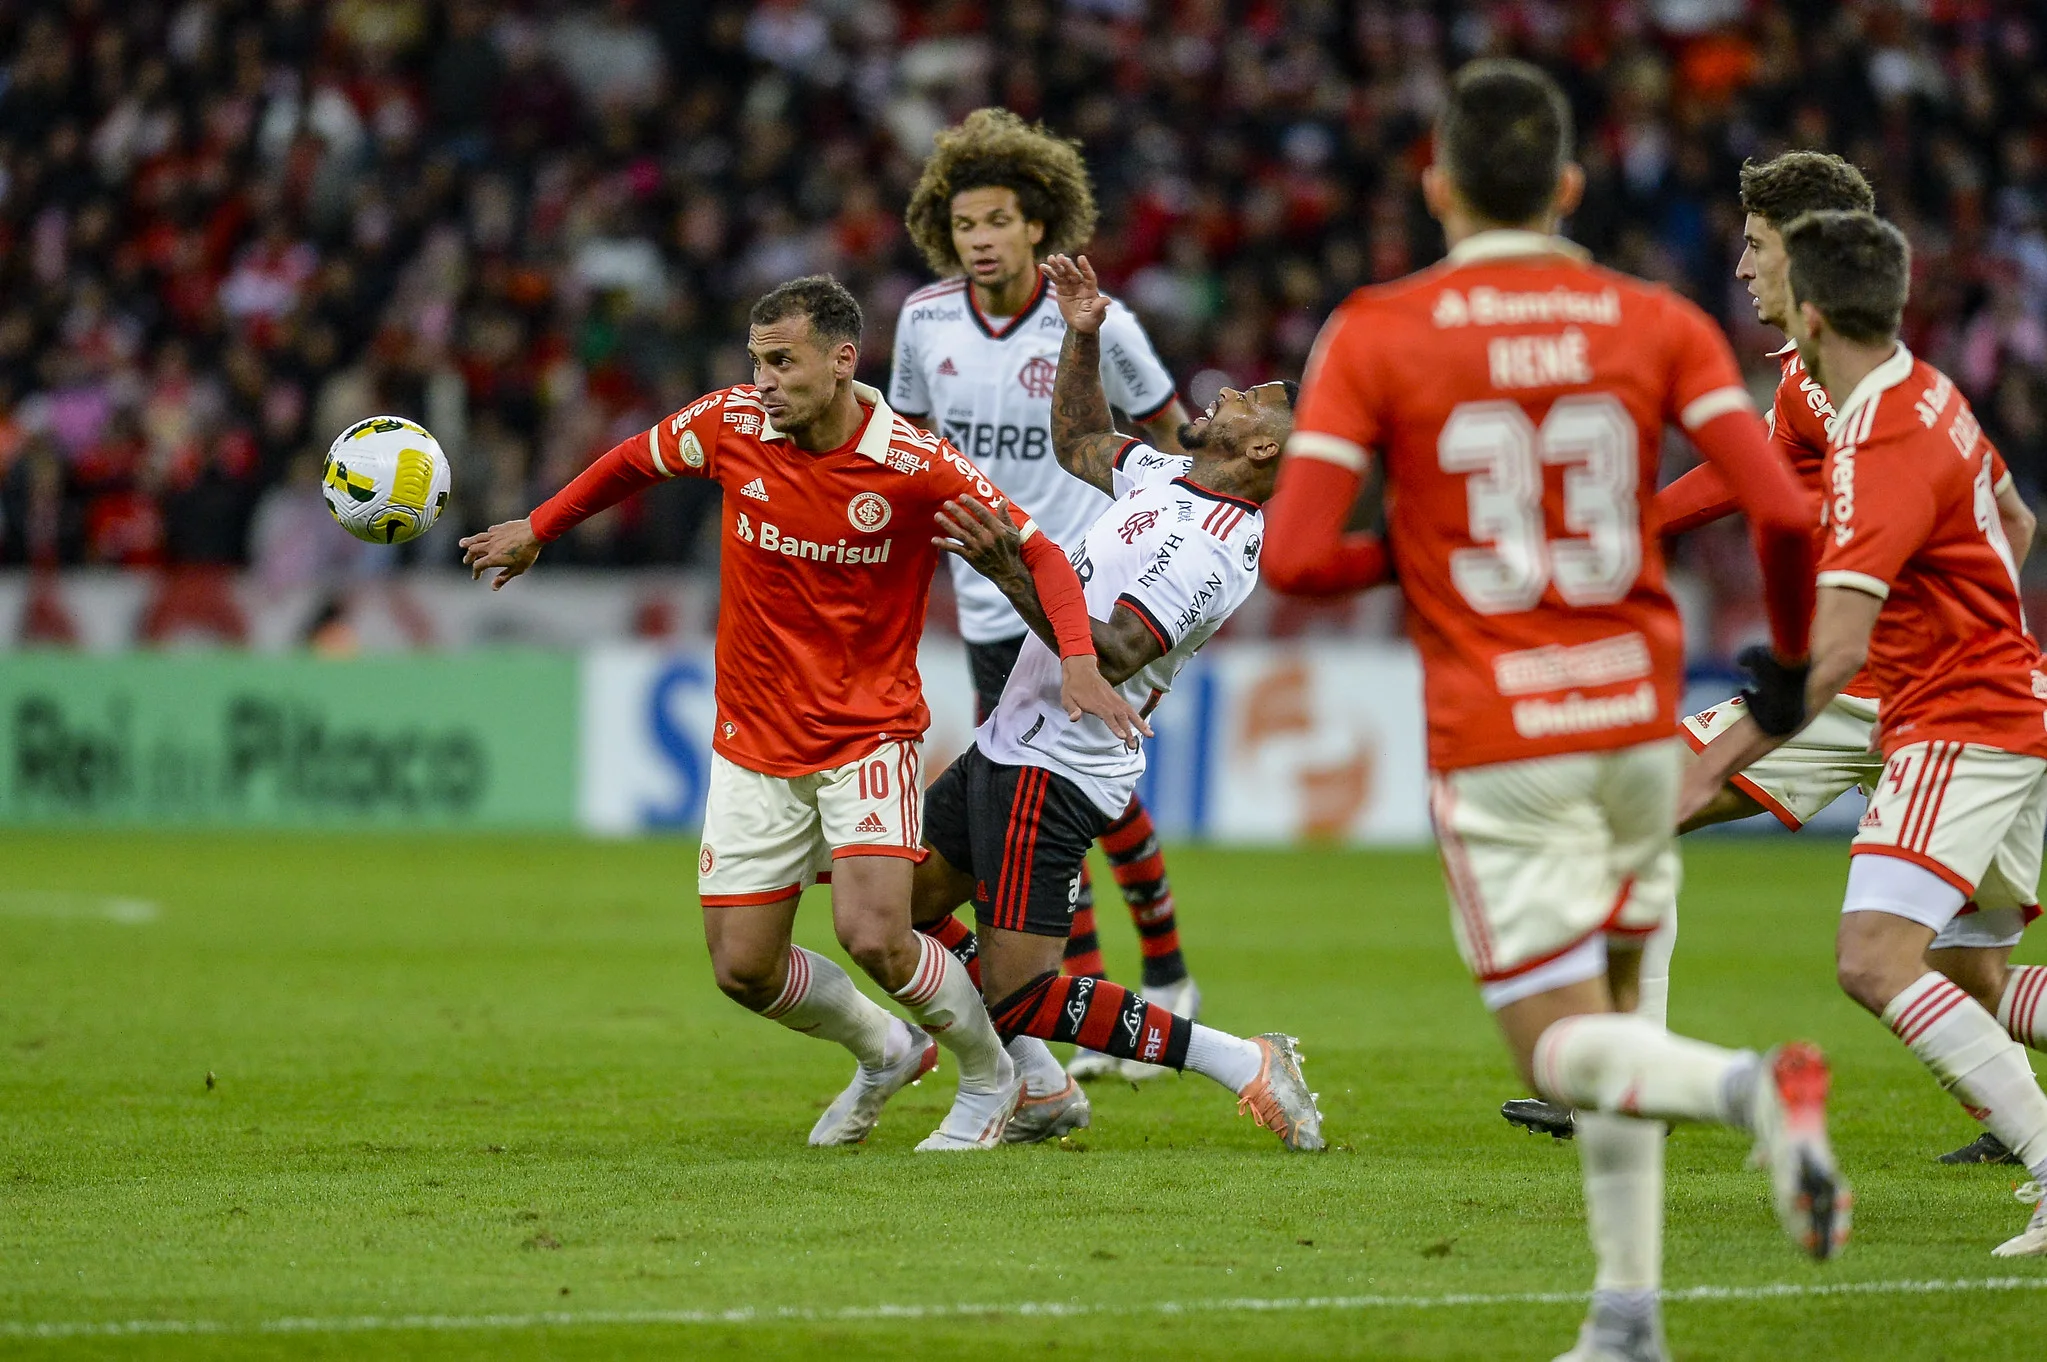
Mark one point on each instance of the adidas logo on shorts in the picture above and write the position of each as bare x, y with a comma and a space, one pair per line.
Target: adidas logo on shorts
871, 823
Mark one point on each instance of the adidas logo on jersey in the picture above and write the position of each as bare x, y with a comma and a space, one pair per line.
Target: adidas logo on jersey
755, 489
947, 369
871, 823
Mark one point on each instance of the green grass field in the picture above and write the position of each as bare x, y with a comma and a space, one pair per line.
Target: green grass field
269, 1096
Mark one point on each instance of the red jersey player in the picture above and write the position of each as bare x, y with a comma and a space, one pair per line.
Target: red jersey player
1517, 395
1917, 578
1833, 753
828, 556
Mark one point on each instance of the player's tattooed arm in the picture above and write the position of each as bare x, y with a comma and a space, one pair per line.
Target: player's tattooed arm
993, 547
1084, 437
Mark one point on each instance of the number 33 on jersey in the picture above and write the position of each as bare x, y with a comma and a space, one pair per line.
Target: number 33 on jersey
1518, 397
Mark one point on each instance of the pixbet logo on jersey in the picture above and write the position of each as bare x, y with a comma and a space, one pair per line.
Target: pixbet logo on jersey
770, 539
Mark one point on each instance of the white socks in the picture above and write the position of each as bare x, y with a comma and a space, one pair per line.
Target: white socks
820, 999
2022, 1011
1976, 1061
1042, 1074
1229, 1060
1623, 1165
943, 999
1654, 1002
1624, 1063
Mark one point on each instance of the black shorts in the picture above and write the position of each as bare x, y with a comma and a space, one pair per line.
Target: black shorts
1021, 832
991, 664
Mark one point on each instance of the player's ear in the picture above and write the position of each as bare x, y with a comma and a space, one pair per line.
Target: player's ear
845, 359
1811, 321
1570, 189
1035, 231
1437, 193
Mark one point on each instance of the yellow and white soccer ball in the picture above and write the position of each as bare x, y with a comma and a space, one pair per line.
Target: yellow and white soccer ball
386, 480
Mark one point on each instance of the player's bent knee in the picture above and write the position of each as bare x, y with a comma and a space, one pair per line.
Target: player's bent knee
750, 983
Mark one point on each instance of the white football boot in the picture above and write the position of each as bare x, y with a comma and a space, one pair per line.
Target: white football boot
1788, 1116
977, 1119
1182, 999
1278, 1098
2033, 1241
855, 1112
1089, 1065
1037, 1119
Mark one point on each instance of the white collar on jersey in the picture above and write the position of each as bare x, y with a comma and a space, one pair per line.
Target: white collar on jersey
880, 427
1507, 243
1875, 383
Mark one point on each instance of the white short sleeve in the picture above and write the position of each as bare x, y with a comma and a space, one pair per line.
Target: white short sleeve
907, 391
1194, 579
1135, 378
1137, 465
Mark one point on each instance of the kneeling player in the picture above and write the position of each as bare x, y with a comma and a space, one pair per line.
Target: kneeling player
1008, 825
1916, 576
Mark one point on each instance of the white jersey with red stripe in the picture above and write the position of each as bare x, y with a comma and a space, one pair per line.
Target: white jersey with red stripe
986, 385
1178, 556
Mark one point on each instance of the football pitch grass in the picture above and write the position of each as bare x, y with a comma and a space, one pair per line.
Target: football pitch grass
357, 1096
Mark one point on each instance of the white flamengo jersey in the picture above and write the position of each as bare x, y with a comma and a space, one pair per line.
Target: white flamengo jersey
987, 387
1177, 555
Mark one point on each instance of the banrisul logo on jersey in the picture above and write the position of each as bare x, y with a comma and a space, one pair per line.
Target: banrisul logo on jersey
770, 539
868, 512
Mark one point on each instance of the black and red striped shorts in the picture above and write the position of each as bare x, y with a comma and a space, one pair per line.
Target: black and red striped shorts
1022, 832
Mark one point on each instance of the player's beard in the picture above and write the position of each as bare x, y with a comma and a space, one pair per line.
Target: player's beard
1193, 436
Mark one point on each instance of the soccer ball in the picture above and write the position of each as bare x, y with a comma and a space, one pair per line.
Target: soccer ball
386, 480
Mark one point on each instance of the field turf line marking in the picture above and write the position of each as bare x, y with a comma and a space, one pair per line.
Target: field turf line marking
348, 1324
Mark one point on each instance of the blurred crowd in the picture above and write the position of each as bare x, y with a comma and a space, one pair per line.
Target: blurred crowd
230, 227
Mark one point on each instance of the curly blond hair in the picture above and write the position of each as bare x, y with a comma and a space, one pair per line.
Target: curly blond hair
995, 149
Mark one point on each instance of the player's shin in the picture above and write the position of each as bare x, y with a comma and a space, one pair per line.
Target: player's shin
959, 938
1975, 1060
820, 999
1652, 988
1132, 845
1097, 1015
2022, 1010
945, 1002
1626, 1064
1622, 1160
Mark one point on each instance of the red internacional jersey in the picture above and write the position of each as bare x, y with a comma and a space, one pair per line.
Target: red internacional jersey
1518, 395
825, 569
1801, 423
1911, 517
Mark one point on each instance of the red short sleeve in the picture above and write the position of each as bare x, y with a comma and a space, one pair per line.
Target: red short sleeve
1704, 381
685, 445
1337, 417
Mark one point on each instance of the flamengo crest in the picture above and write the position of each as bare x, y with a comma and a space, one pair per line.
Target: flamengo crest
868, 512
1038, 376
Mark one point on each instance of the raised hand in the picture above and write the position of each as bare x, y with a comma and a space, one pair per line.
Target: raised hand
1077, 292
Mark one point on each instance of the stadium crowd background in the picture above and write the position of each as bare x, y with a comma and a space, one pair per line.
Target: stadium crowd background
229, 228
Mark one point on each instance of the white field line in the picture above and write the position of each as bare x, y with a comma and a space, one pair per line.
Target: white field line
567, 1319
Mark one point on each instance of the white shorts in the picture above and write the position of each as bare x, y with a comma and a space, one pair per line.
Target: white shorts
1829, 757
767, 838
1886, 884
1972, 815
1540, 855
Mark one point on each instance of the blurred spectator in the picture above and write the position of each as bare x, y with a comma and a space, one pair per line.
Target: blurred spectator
228, 228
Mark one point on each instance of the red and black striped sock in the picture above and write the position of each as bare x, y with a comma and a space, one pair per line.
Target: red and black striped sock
1133, 846
1095, 1014
959, 938
1083, 945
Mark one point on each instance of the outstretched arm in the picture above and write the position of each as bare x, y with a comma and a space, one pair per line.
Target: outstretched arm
1084, 437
